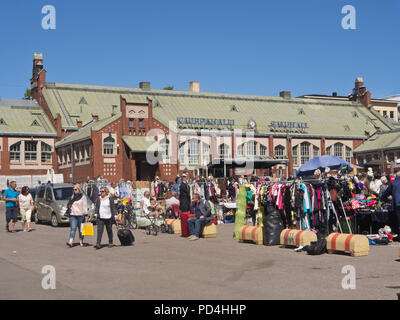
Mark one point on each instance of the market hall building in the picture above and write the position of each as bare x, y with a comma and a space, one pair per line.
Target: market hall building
104, 130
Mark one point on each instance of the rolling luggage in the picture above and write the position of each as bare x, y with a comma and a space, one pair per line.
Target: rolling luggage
126, 237
184, 224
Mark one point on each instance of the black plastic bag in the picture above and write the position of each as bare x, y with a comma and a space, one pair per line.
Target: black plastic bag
317, 248
272, 226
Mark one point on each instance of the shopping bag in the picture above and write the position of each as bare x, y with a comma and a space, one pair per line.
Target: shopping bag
87, 229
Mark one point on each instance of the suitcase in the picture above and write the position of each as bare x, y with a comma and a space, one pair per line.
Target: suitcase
184, 224
126, 237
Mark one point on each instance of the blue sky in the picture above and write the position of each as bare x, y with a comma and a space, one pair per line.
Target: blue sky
247, 47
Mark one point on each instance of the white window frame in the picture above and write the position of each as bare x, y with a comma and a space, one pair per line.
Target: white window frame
31, 151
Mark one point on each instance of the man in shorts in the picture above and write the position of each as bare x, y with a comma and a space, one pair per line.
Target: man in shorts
10, 197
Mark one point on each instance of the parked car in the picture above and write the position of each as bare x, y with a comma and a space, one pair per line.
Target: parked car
51, 204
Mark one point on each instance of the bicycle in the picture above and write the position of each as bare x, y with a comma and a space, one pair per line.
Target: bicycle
126, 217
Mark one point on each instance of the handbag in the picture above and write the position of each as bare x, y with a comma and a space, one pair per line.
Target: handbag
87, 229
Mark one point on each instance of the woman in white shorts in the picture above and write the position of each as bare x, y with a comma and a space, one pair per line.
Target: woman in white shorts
25, 202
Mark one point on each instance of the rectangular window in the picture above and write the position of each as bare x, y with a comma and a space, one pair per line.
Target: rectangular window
348, 154
193, 152
385, 113
338, 150
279, 150
304, 153
391, 114
368, 158
108, 148
240, 150
46, 153
295, 156
390, 156
263, 150
328, 151
30, 151
315, 152
360, 160
206, 154
377, 156
182, 154
251, 148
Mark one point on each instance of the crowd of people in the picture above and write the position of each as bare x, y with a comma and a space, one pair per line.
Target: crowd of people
183, 195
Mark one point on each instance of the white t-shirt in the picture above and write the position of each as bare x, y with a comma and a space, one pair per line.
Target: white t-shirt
25, 201
105, 210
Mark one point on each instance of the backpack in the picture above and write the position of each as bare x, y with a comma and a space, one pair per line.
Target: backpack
317, 248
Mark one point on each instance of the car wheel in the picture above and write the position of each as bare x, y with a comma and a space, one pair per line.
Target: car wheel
54, 222
37, 221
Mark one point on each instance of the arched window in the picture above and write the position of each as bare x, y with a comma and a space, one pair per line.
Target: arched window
279, 152
193, 152
338, 150
15, 152
46, 151
108, 146
223, 151
304, 152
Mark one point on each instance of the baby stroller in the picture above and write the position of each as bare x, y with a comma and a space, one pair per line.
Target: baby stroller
156, 224
173, 212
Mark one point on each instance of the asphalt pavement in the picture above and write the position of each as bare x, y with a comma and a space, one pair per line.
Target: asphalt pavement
171, 267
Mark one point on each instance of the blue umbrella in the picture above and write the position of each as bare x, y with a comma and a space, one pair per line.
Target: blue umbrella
321, 163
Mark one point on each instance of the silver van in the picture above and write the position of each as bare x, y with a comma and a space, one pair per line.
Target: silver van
51, 204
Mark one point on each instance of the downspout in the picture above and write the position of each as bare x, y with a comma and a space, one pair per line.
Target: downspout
72, 162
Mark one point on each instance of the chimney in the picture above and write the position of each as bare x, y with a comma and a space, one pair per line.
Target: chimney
194, 86
79, 124
359, 83
334, 94
285, 94
361, 93
144, 85
37, 63
95, 117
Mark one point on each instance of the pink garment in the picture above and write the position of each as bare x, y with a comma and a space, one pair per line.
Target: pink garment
78, 207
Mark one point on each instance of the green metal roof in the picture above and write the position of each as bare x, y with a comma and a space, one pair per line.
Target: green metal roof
328, 118
141, 143
86, 131
24, 118
381, 141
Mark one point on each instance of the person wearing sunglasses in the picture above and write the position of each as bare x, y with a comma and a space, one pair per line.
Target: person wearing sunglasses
77, 208
104, 212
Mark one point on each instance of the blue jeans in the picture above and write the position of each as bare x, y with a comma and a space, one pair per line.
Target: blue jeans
75, 222
195, 226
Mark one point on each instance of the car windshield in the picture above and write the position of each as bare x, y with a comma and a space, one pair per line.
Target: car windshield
63, 193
